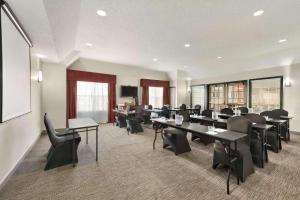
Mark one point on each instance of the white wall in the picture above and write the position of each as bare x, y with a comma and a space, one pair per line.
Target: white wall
19, 134
54, 84
291, 94
54, 93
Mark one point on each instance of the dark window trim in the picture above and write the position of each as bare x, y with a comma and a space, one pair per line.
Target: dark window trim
271, 77
239, 81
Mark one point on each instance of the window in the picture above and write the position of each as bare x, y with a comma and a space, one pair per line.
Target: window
266, 94
92, 100
198, 96
216, 96
156, 97
229, 94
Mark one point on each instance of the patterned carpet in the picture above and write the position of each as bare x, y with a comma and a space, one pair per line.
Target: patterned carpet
128, 168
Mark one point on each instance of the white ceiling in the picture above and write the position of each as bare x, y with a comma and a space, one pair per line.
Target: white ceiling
136, 31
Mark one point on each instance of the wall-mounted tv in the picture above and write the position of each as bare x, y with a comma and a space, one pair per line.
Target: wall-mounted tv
129, 91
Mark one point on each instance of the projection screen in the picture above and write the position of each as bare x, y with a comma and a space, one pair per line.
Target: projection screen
14, 69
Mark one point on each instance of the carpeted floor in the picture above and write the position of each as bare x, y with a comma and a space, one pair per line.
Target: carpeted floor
128, 168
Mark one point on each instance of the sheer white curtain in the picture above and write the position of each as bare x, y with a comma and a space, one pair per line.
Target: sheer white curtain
92, 100
156, 96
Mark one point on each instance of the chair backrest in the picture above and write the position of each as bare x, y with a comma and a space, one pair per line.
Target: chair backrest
227, 111
269, 114
207, 113
255, 118
239, 124
243, 109
165, 112
197, 109
279, 112
185, 114
50, 131
183, 107
150, 107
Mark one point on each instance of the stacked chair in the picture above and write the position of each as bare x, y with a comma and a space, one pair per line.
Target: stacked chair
134, 122
244, 161
61, 150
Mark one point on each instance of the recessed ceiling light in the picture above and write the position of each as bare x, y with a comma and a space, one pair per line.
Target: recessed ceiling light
219, 57
282, 40
155, 59
185, 66
187, 45
101, 13
88, 44
40, 55
258, 13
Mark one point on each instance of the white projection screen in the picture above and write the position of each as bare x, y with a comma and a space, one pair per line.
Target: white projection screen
15, 71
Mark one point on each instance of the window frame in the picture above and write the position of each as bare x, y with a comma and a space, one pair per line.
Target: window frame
265, 78
226, 91
205, 95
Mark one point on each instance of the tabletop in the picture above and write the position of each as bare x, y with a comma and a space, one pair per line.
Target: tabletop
221, 134
78, 123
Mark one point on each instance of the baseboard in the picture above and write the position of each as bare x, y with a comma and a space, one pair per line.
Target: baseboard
12, 171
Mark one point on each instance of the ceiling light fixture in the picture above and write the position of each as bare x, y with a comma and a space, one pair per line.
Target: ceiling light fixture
155, 59
219, 57
282, 40
101, 13
258, 13
187, 45
88, 44
185, 66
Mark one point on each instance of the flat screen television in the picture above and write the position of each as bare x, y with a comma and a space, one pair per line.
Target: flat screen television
129, 91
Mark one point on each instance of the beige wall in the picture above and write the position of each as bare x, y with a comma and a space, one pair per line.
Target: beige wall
54, 93
291, 94
19, 134
54, 84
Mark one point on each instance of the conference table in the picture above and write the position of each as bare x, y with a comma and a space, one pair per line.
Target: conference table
86, 125
227, 137
223, 122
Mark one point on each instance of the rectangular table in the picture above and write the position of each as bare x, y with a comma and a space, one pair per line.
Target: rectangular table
226, 136
78, 125
260, 127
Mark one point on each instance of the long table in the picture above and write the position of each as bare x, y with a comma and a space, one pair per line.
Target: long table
261, 127
226, 136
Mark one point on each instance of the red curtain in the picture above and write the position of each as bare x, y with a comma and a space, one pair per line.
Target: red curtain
73, 76
146, 83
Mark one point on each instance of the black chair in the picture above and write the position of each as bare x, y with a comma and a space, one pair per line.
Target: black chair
272, 135
258, 145
165, 112
277, 113
185, 113
61, 150
227, 111
243, 110
134, 121
205, 139
244, 158
176, 140
150, 107
197, 110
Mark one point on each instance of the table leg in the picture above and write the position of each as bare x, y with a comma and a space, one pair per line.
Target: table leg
266, 146
236, 163
279, 133
156, 131
73, 148
87, 136
97, 144
229, 168
288, 128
